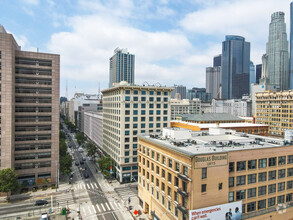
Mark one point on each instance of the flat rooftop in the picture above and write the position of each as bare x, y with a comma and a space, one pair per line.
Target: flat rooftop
221, 125
210, 117
216, 140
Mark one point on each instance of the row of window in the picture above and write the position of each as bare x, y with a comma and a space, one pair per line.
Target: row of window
262, 163
144, 92
142, 119
144, 105
144, 99
143, 112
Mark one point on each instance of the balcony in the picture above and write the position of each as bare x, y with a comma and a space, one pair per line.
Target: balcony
182, 209
183, 177
182, 193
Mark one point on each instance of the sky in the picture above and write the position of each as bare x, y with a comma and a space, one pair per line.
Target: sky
173, 40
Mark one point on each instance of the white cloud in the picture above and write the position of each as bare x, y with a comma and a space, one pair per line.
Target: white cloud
31, 2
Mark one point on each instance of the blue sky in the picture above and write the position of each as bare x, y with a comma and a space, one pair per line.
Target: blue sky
173, 40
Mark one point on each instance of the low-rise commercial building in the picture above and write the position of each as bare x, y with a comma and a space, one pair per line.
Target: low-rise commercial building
93, 128
210, 118
182, 170
248, 128
185, 106
82, 109
276, 110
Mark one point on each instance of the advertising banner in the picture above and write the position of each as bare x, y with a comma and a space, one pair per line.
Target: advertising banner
227, 211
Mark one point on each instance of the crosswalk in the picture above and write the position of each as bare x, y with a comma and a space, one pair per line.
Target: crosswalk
126, 192
90, 209
91, 186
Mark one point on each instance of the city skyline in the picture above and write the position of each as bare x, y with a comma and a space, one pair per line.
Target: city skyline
166, 42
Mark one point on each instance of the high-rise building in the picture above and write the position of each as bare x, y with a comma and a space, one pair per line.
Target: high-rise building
179, 89
275, 69
199, 93
213, 81
80, 123
94, 126
217, 60
121, 67
251, 75
235, 67
129, 110
291, 45
258, 68
185, 106
30, 112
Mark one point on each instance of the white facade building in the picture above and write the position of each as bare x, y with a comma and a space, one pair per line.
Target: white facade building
94, 126
185, 106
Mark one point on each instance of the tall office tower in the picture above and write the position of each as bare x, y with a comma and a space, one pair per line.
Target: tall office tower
258, 68
251, 75
121, 67
217, 60
275, 69
213, 81
235, 67
30, 112
179, 89
291, 45
129, 110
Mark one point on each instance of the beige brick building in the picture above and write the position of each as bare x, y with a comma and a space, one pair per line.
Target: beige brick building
182, 170
276, 110
29, 111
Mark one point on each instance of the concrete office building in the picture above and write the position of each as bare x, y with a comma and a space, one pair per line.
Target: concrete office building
236, 107
235, 67
210, 118
199, 93
30, 112
94, 126
82, 109
184, 106
179, 89
129, 110
258, 69
252, 76
275, 66
217, 60
255, 88
64, 109
182, 170
291, 46
276, 110
121, 67
213, 81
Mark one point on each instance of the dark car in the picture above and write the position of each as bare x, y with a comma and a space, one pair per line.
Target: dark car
76, 163
86, 175
41, 202
81, 162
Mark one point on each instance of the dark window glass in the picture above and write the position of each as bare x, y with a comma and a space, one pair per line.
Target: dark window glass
251, 164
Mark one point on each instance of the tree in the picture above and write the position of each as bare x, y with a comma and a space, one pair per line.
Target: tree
8, 181
62, 148
80, 137
91, 149
105, 163
66, 164
61, 135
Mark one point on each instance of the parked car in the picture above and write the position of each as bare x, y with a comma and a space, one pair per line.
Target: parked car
44, 216
76, 163
41, 202
83, 158
80, 149
86, 175
81, 162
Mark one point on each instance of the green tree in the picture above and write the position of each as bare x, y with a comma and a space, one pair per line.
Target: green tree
105, 163
66, 164
62, 148
8, 181
80, 137
91, 149
61, 135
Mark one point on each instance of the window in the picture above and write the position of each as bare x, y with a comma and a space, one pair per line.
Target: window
262, 204
281, 199
272, 188
177, 167
251, 178
241, 165
281, 173
170, 163
143, 92
272, 175
158, 157
290, 159
204, 173
262, 177
290, 184
272, 161
163, 173
262, 190
175, 196
231, 196
262, 163
281, 186
158, 170
169, 191
127, 92
231, 167
251, 193
157, 182
289, 172
231, 181
251, 206
289, 197
135, 98
158, 195
251, 164
169, 205
163, 160
240, 195
240, 180
169, 177
163, 187
127, 98
282, 160
184, 186
151, 92
176, 181
203, 188
220, 186
271, 201
185, 170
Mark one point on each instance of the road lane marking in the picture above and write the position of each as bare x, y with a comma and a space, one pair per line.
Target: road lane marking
103, 207
89, 209
98, 208
94, 209
88, 186
92, 186
119, 205
96, 185
108, 206
112, 205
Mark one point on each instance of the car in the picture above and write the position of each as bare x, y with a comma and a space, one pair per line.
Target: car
76, 163
86, 175
80, 149
41, 202
83, 158
44, 216
81, 162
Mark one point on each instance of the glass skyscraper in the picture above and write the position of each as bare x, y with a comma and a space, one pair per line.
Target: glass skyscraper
251, 75
121, 67
235, 67
275, 70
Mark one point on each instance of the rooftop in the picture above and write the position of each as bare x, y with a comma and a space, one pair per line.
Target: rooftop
221, 125
210, 117
216, 140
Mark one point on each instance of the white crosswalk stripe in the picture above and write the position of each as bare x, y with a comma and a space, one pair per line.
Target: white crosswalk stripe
98, 207
119, 205
89, 209
92, 186
94, 209
108, 206
103, 207
88, 186
96, 185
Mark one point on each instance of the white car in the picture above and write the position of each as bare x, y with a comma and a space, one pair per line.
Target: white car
80, 149
44, 216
